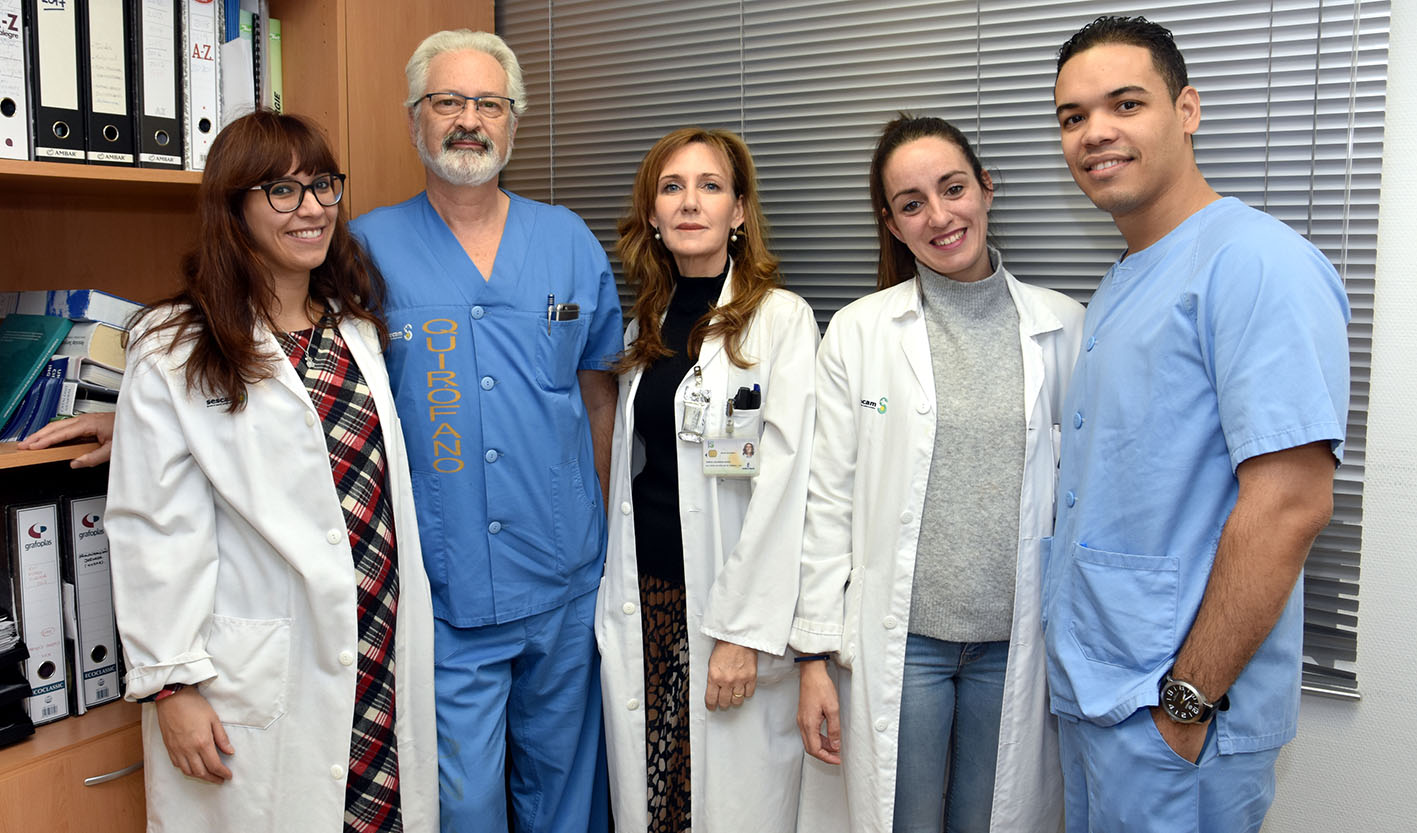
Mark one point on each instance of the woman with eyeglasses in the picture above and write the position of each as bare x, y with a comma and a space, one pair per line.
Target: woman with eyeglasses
267, 577
932, 483
708, 482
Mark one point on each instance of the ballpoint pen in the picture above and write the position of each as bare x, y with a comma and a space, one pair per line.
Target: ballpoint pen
550, 310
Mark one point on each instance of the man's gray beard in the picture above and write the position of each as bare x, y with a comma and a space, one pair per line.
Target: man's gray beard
464, 167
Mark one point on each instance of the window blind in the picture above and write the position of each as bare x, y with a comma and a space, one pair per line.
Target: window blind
1292, 96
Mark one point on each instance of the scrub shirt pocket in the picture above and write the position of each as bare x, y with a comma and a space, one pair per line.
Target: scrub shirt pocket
1122, 607
252, 658
428, 504
558, 352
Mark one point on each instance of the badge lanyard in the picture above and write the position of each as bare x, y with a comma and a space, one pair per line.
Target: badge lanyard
696, 406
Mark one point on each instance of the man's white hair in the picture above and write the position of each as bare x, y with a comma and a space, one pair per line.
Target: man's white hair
464, 40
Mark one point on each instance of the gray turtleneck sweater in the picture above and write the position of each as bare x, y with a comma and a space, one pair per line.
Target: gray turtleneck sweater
968, 549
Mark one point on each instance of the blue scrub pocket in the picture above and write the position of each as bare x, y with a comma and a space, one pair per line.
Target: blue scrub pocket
558, 352
1123, 607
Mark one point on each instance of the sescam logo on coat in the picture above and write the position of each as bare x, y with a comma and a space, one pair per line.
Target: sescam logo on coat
877, 405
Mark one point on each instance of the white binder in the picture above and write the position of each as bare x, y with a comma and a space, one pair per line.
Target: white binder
14, 102
202, 75
34, 563
88, 590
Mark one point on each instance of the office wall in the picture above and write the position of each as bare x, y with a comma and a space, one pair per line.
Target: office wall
1351, 768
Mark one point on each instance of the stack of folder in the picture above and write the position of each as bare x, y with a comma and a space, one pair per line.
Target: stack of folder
131, 83
61, 354
56, 594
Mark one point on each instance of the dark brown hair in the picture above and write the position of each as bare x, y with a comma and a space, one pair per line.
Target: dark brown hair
895, 262
649, 266
226, 295
1132, 31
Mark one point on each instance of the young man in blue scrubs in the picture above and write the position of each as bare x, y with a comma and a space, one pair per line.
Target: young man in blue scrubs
505, 322
1200, 434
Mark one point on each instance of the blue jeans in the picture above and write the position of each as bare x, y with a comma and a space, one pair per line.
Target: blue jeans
951, 698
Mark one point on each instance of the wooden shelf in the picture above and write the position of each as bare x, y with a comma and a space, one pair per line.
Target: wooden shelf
53, 738
107, 180
12, 457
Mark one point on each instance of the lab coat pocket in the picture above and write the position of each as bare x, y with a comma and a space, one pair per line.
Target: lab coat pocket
1122, 607
252, 658
747, 424
558, 352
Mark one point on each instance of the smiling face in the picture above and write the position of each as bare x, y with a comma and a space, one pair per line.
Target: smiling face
937, 207
695, 209
466, 149
1124, 138
292, 244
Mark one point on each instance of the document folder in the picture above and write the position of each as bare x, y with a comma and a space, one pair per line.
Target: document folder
107, 65
157, 65
203, 79
33, 531
88, 590
56, 75
14, 99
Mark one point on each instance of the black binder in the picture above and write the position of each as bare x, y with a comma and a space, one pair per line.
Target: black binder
106, 51
157, 83
57, 81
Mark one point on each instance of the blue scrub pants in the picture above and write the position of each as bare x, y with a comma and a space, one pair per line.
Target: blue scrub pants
1126, 779
950, 703
531, 687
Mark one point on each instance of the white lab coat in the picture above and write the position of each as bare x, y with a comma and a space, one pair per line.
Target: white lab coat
870, 464
232, 568
742, 538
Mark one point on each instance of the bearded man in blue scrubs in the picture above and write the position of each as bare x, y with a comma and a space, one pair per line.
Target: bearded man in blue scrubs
1200, 434
505, 322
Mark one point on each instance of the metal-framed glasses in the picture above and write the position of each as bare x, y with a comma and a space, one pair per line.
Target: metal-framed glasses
286, 195
486, 106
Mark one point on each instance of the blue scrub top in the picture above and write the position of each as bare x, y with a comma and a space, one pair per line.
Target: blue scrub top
509, 508
1224, 340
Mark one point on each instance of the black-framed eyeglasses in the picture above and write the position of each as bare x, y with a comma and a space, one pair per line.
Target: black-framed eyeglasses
286, 195
486, 106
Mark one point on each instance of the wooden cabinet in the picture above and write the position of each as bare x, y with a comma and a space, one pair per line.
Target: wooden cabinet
125, 230
43, 780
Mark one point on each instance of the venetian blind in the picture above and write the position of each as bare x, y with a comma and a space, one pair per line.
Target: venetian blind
1292, 93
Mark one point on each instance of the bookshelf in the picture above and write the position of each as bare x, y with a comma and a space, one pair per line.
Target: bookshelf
124, 230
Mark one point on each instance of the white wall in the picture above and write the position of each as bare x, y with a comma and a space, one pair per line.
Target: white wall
1354, 765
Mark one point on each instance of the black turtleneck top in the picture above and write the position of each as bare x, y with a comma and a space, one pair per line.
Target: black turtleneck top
659, 542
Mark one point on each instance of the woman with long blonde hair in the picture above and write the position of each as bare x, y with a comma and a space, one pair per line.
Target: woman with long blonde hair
708, 491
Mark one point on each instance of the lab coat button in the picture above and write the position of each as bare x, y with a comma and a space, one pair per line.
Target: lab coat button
346, 658
625, 507
337, 772
632, 704
1077, 420
333, 536
478, 312
906, 517
309, 419
1091, 342
488, 382
629, 608
491, 455
494, 527
881, 724
923, 407
1070, 498
889, 622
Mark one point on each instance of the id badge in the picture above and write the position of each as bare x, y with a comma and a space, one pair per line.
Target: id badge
730, 457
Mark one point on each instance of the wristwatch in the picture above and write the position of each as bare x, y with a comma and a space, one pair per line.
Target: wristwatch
1184, 703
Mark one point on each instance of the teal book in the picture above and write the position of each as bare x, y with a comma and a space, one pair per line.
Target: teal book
27, 342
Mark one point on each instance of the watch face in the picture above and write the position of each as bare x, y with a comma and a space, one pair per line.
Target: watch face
1181, 703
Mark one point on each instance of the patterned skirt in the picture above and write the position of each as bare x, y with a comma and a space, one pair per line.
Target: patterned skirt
666, 641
